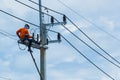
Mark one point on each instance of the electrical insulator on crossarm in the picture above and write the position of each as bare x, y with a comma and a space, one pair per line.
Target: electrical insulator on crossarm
59, 37
64, 19
52, 19
47, 41
37, 37
33, 36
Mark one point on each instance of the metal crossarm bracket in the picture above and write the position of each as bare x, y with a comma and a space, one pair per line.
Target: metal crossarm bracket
49, 24
34, 45
54, 41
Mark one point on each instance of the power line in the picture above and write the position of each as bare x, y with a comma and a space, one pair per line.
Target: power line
83, 34
86, 34
31, 7
7, 36
93, 41
100, 69
30, 54
87, 58
15, 39
19, 18
46, 7
89, 45
24, 20
7, 33
89, 21
76, 37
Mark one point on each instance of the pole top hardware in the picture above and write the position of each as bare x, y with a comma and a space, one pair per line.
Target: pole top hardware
33, 45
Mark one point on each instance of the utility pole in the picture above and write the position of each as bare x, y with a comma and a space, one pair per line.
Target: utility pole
43, 41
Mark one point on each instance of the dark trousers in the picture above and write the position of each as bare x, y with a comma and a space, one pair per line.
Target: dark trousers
30, 40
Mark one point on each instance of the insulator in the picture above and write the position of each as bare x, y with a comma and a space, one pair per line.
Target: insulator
47, 41
33, 36
26, 35
64, 18
37, 37
59, 37
52, 19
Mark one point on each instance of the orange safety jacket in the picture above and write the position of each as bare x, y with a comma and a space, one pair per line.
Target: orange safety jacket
22, 32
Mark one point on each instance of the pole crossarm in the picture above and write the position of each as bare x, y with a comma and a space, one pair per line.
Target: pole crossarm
55, 24
34, 45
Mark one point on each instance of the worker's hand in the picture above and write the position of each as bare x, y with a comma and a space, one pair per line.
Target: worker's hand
30, 37
18, 36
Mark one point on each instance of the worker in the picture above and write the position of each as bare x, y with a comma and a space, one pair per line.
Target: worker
23, 34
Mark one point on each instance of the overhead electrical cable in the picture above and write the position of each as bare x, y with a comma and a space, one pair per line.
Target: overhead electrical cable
7, 33
46, 7
18, 18
25, 20
77, 49
86, 58
31, 7
77, 38
89, 21
7, 36
93, 41
89, 45
87, 35
30, 54
83, 34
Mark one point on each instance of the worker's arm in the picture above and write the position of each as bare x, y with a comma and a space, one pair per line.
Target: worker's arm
28, 34
17, 32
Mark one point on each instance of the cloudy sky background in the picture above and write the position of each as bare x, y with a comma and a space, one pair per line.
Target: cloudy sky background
62, 61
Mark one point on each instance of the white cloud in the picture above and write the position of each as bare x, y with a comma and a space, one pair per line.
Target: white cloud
4, 64
107, 23
21, 60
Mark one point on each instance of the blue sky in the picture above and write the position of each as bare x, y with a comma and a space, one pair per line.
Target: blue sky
62, 61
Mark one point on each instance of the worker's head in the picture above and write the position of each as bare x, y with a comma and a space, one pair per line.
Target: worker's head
26, 26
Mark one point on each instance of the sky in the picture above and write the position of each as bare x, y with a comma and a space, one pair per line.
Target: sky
99, 19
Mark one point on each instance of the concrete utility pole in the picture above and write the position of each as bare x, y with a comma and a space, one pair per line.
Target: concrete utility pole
43, 41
